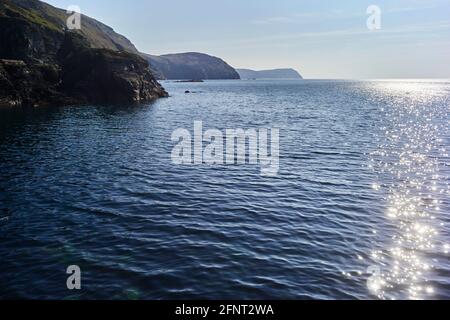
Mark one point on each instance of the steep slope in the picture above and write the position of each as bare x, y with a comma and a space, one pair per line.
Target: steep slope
269, 74
42, 63
97, 34
191, 65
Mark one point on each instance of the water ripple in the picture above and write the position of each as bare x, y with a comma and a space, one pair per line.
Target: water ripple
357, 211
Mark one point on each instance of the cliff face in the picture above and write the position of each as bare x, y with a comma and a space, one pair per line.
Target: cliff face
191, 65
269, 74
102, 75
26, 84
42, 63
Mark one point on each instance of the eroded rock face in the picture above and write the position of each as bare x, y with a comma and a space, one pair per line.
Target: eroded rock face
30, 84
105, 76
85, 75
22, 40
43, 65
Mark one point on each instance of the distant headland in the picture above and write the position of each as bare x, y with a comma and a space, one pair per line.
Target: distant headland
246, 74
190, 65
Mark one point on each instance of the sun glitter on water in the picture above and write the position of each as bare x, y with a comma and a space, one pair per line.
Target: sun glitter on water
407, 165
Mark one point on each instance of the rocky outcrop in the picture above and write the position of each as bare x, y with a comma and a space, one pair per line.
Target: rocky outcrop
269, 74
42, 15
105, 76
43, 64
30, 84
190, 65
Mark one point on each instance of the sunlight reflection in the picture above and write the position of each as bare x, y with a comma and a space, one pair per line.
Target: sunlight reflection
407, 162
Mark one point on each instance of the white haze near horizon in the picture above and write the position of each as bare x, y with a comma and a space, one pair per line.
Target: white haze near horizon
320, 39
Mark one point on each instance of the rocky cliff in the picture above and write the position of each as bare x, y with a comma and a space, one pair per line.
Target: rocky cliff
43, 63
190, 65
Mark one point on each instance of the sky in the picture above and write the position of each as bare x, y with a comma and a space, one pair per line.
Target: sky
322, 39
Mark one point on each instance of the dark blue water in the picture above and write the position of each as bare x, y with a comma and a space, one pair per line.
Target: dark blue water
359, 209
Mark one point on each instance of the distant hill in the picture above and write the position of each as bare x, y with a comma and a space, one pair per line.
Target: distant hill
269, 74
190, 65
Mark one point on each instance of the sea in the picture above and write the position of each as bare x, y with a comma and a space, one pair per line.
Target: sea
358, 207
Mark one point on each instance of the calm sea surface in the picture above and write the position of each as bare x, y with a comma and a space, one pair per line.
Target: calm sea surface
359, 210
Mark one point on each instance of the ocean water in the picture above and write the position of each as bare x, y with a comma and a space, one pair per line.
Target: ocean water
359, 208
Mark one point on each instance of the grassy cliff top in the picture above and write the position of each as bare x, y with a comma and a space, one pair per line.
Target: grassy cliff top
44, 15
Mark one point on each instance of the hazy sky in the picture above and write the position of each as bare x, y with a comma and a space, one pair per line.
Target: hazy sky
321, 39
